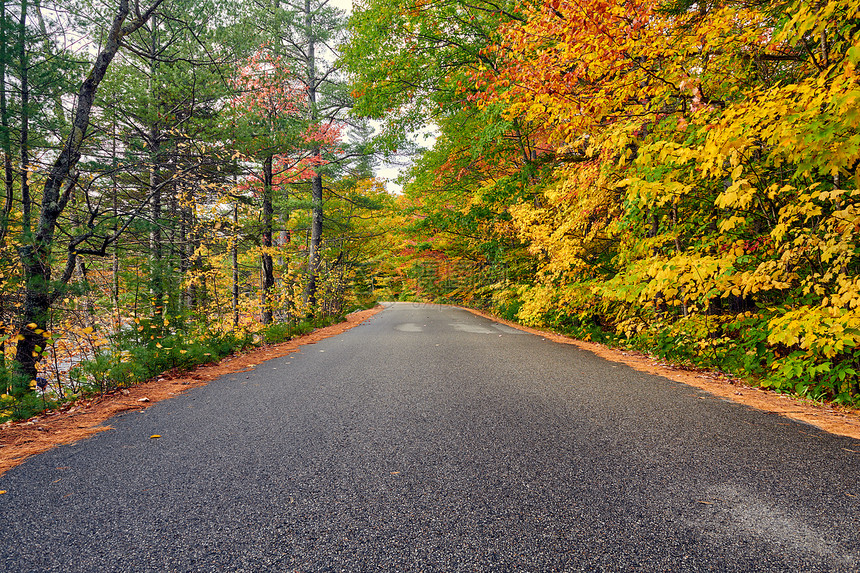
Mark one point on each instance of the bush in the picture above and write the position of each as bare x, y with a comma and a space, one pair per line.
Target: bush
277, 333
16, 404
142, 353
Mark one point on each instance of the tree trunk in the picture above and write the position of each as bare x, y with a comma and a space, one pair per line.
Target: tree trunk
5, 137
266, 257
188, 264
115, 255
156, 288
316, 182
156, 280
185, 252
174, 297
198, 294
234, 256
39, 293
316, 240
26, 201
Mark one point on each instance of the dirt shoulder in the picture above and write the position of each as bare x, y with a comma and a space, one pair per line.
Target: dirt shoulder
832, 419
20, 440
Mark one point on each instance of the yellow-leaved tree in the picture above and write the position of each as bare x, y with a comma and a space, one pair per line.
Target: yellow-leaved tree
703, 196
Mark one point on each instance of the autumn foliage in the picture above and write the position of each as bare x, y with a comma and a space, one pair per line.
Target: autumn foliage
206, 184
684, 179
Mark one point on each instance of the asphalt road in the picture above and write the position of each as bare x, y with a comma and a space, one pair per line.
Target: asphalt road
428, 439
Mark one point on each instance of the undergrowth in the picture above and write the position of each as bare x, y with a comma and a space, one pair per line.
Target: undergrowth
138, 354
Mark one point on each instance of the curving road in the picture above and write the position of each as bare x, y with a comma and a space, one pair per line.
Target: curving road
428, 439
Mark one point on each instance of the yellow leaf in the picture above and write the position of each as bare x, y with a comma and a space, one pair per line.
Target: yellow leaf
88, 330
2, 491
32, 325
158, 345
737, 171
154, 436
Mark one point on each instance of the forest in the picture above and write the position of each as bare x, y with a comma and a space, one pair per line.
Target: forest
186, 178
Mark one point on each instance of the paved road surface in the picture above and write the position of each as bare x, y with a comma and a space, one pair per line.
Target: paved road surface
428, 439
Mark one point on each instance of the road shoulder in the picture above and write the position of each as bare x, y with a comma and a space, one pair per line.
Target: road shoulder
20, 440
831, 419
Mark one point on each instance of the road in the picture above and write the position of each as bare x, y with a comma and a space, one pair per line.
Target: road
428, 439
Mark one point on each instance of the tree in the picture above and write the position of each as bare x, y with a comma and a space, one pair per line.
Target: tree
270, 115
413, 64
168, 85
129, 204
306, 33
409, 59
689, 169
36, 253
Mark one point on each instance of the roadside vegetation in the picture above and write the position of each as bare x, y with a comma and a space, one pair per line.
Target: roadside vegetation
182, 179
675, 176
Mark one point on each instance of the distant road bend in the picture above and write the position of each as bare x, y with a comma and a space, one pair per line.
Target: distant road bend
428, 439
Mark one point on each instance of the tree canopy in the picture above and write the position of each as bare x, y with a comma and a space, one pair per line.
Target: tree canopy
675, 176
183, 177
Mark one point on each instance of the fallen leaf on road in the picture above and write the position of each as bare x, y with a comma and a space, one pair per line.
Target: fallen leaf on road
144, 399
154, 436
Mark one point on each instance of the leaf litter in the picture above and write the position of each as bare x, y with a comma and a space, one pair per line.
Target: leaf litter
84, 418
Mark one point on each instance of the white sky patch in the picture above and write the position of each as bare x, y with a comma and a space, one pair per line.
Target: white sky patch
425, 138
345, 5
